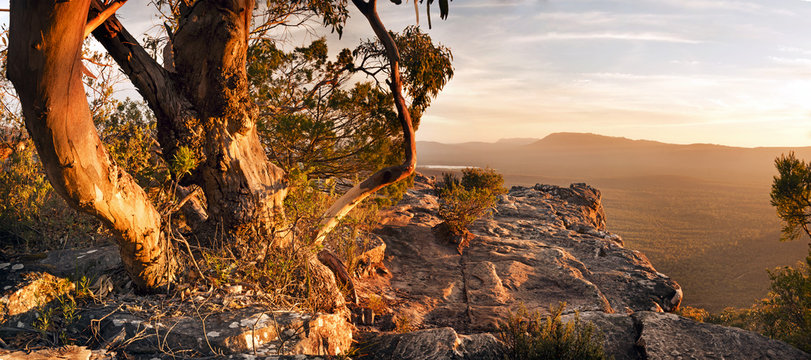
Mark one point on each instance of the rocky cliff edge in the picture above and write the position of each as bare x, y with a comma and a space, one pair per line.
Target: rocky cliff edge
540, 246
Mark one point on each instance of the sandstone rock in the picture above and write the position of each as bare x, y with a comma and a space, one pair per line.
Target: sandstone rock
24, 291
63, 353
583, 205
238, 331
372, 252
441, 343
542, 245
653, 335
669, 336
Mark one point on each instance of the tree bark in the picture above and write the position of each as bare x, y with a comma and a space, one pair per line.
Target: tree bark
44, 64
210, 53
206, 107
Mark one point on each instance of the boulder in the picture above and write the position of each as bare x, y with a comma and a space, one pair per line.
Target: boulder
655, 335
25, 291
669, 336
372, 251
619, 333
64, 353
91, 262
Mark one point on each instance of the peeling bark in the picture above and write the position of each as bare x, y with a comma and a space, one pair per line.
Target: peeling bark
44, 64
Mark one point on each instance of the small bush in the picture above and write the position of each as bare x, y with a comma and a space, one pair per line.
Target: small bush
403, 324
376, 304
697, 314
462, 201
485, 179
531, 336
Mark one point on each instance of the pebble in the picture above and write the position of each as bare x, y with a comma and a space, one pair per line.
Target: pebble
16, 267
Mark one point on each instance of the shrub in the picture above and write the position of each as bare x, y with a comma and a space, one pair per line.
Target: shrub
786, 312
697, 314
486, 179
531, 336
462, 201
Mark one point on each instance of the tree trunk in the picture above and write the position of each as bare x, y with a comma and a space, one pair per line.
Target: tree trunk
210, 53
44, 64
206, 107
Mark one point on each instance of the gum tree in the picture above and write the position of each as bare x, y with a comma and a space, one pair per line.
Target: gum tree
200, 98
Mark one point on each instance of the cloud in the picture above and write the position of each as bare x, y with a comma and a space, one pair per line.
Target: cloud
704, 5
592, 18
620, 36
805, 62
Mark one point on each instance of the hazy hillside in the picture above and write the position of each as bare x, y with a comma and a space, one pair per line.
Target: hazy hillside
700, 212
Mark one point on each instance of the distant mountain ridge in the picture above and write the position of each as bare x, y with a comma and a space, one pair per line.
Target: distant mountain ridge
590, 139
584, 156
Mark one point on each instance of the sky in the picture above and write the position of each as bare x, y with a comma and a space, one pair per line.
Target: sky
730, 72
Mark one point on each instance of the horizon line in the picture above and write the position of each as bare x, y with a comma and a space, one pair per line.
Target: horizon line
535, 139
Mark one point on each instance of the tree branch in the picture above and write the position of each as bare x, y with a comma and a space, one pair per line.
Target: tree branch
102, 16
178, 122
391, 174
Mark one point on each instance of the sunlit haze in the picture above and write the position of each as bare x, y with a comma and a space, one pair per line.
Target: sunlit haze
680, 71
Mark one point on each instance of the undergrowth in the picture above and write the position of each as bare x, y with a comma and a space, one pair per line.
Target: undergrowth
531, 336
282, 276
56, 317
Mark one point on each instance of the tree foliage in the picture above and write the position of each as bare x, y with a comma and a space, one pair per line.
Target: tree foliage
426, 66
319, 117
791, 195
314, 117
786, 312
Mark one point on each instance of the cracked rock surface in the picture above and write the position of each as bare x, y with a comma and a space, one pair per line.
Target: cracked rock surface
542, 245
